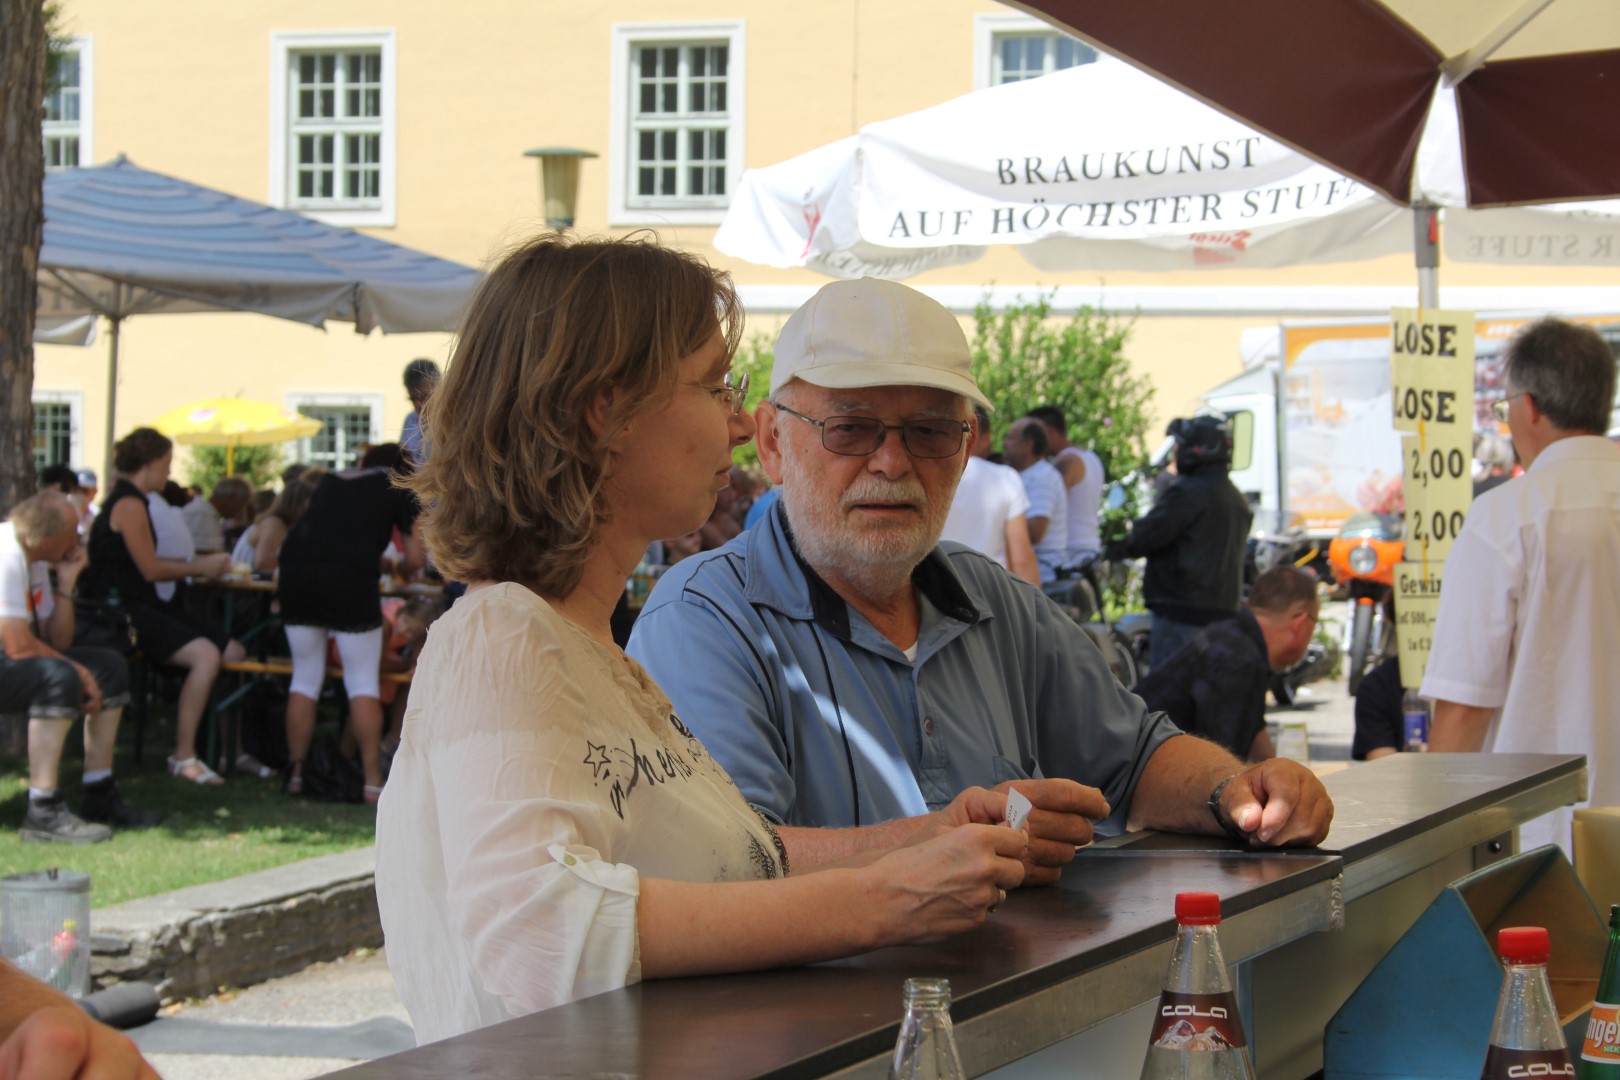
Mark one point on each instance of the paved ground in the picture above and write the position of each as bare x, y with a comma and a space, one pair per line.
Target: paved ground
333, 1015
327, 1017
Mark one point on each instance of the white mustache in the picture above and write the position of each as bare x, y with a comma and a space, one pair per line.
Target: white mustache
880, 492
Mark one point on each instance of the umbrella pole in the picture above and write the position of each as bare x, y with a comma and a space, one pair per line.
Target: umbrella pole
1426, 253
112, 399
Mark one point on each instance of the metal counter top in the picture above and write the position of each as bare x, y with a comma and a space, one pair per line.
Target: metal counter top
1050, 963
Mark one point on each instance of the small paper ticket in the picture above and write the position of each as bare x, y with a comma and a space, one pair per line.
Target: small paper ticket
1018, 808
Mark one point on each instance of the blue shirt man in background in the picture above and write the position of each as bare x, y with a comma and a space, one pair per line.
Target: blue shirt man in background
847, 669
421, 377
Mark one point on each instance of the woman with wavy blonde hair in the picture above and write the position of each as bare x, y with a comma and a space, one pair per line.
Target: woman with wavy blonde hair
550, 828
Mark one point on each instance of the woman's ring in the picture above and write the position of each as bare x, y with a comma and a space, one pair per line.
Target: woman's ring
1001, 897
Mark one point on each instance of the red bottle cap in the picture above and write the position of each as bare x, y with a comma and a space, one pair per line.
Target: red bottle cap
1198, 908
1523, 944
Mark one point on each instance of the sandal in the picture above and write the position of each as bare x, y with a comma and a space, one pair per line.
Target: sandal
371, 792
294, 784
204, 775
252, 766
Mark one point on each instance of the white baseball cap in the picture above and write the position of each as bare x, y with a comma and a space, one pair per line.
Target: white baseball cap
87, 478
871, 332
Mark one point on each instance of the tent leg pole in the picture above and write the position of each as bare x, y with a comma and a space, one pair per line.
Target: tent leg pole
112, 399
1426, 253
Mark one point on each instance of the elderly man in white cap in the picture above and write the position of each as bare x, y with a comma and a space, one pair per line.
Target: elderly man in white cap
847, 669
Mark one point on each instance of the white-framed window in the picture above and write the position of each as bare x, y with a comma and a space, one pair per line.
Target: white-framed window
332, 129
67, 127
57, 418
350, 422
678, 120
1011, 46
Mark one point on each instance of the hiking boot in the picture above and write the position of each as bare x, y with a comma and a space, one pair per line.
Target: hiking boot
101, 802
51, 820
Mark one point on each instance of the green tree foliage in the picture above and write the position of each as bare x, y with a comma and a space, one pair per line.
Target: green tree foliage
1024, 357
260, 464
755, 358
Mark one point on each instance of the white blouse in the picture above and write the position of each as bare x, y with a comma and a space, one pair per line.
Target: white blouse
539, 774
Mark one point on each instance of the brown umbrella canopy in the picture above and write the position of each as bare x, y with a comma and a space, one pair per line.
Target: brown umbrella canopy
1349, 82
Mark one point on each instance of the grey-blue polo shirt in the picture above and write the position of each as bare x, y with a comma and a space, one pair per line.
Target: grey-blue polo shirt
822, 721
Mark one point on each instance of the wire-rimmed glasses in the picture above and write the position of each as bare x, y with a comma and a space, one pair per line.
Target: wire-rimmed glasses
859, 436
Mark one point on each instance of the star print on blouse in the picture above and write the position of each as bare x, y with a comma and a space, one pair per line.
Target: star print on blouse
597, 759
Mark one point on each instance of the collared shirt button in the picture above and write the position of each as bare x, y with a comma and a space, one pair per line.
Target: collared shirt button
928, 725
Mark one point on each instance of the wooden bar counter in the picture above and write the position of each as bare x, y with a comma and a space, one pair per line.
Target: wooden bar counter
1059, 961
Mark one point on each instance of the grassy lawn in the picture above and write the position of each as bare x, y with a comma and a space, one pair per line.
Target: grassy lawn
208, 833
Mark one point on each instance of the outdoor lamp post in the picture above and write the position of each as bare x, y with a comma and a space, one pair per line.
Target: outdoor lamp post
559, 182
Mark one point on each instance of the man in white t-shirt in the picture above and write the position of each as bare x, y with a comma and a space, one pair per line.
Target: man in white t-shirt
1026, 447
1082, 473
1523, 658
987, 511
174, 539
42, 674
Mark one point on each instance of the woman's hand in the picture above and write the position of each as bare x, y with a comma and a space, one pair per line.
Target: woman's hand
211, 566
61, 1043
943, 886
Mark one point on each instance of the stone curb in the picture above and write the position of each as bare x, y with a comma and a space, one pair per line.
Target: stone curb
193, 941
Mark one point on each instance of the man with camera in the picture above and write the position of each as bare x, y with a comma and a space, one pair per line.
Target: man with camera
1193, 538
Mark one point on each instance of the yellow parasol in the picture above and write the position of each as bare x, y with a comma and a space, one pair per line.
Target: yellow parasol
233, 422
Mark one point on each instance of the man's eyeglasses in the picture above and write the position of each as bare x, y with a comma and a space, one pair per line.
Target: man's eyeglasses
1499, 409
733, 395
858, 436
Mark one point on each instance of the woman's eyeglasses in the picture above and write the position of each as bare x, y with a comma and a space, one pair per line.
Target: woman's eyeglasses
733, 395
858, 436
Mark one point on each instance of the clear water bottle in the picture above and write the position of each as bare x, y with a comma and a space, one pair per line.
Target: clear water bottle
1415, 722
1197, 1032
1526, 1038
926, 1049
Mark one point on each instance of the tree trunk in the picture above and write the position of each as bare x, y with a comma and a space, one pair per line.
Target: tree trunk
22, 218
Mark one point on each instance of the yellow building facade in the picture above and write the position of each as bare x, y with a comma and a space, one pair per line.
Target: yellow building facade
409, 119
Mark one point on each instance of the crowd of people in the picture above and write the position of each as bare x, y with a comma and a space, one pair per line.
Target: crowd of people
87, 588
807, 747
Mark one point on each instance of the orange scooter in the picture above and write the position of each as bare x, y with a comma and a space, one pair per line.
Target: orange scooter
1363, 557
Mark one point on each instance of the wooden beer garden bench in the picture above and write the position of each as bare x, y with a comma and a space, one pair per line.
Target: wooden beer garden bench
253, 673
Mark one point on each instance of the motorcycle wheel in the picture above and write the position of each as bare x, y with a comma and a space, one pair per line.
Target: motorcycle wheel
1360, 644
1124, 661
1282, 691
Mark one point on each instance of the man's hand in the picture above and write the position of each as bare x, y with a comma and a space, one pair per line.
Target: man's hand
69, 566
62, 1043
1278, 803
1060, 822
91, 692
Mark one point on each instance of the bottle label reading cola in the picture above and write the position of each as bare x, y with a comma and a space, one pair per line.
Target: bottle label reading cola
1504, 1064
1197, 1022
1602, 1044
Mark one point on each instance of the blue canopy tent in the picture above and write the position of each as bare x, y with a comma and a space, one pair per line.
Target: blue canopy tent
122, 241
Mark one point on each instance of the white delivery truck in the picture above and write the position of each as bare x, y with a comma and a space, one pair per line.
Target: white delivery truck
1313, 438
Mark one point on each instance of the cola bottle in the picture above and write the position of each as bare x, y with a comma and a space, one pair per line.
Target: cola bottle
1197, 1032
926, 1049
1526, 1039
1600, 1054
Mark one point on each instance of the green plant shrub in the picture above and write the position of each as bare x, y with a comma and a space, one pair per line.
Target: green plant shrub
1023, 356
260, 464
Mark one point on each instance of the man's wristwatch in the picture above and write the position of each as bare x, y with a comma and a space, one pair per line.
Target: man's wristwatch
1227, 825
